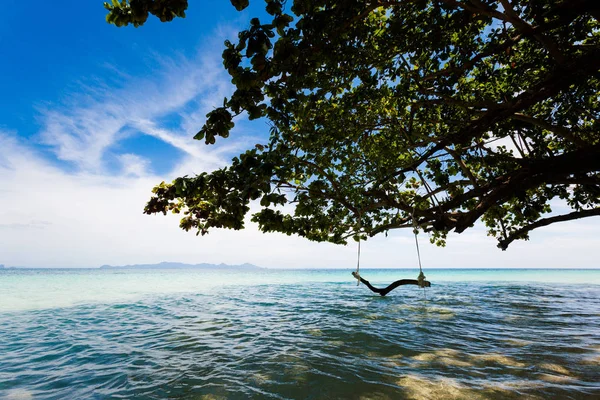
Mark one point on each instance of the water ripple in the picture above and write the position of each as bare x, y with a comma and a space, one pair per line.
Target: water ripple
312, 340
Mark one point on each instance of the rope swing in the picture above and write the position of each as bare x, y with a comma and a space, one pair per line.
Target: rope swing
420, 281
358, 265
421, 278
357, 274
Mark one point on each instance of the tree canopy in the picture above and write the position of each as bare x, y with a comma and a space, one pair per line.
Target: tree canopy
391, 114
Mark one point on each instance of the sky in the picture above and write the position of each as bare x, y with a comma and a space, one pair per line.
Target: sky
93, 116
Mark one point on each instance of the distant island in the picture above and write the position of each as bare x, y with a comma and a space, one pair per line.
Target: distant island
176, 265
161, 265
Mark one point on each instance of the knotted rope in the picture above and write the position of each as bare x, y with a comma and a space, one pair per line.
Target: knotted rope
357, 275
421, 277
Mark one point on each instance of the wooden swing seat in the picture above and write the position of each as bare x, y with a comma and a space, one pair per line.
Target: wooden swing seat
384, 291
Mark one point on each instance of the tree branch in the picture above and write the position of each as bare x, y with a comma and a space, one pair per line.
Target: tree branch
542, 171
384, 291
525, 28
462, 166
558, 130
521, 233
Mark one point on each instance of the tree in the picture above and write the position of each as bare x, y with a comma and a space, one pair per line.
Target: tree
387, 114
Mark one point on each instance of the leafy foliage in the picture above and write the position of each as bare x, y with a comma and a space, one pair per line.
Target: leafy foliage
123, 13
390, 114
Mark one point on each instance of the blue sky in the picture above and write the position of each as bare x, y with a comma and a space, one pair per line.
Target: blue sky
93, 116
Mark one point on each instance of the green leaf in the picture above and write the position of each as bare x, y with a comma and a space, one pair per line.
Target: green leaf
240, 4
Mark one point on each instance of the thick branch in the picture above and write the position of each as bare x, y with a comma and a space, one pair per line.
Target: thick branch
520, 233
529, 176
554, 170
524, 27
557, 130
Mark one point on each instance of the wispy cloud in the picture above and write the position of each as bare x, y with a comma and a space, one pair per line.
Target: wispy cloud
100, 114
90, 214
92, 219
52, 217
26, 225
133, 165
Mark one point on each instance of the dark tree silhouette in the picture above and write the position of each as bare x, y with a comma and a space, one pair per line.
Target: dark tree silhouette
384, 291
385, 114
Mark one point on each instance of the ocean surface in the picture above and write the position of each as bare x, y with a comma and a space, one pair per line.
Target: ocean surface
298, 334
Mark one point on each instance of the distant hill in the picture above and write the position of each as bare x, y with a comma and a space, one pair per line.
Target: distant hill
1, 266
175, 265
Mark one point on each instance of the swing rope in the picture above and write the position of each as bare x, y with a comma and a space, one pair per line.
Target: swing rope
358, 255
421, 277
358, 265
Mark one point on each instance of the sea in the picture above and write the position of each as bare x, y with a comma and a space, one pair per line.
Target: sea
298, 334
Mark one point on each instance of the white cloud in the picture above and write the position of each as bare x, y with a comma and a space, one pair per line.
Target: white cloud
50, 217
101, 114
92, 219
88, 217
133, 164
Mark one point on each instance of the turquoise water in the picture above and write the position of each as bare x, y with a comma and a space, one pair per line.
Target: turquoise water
189, 334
